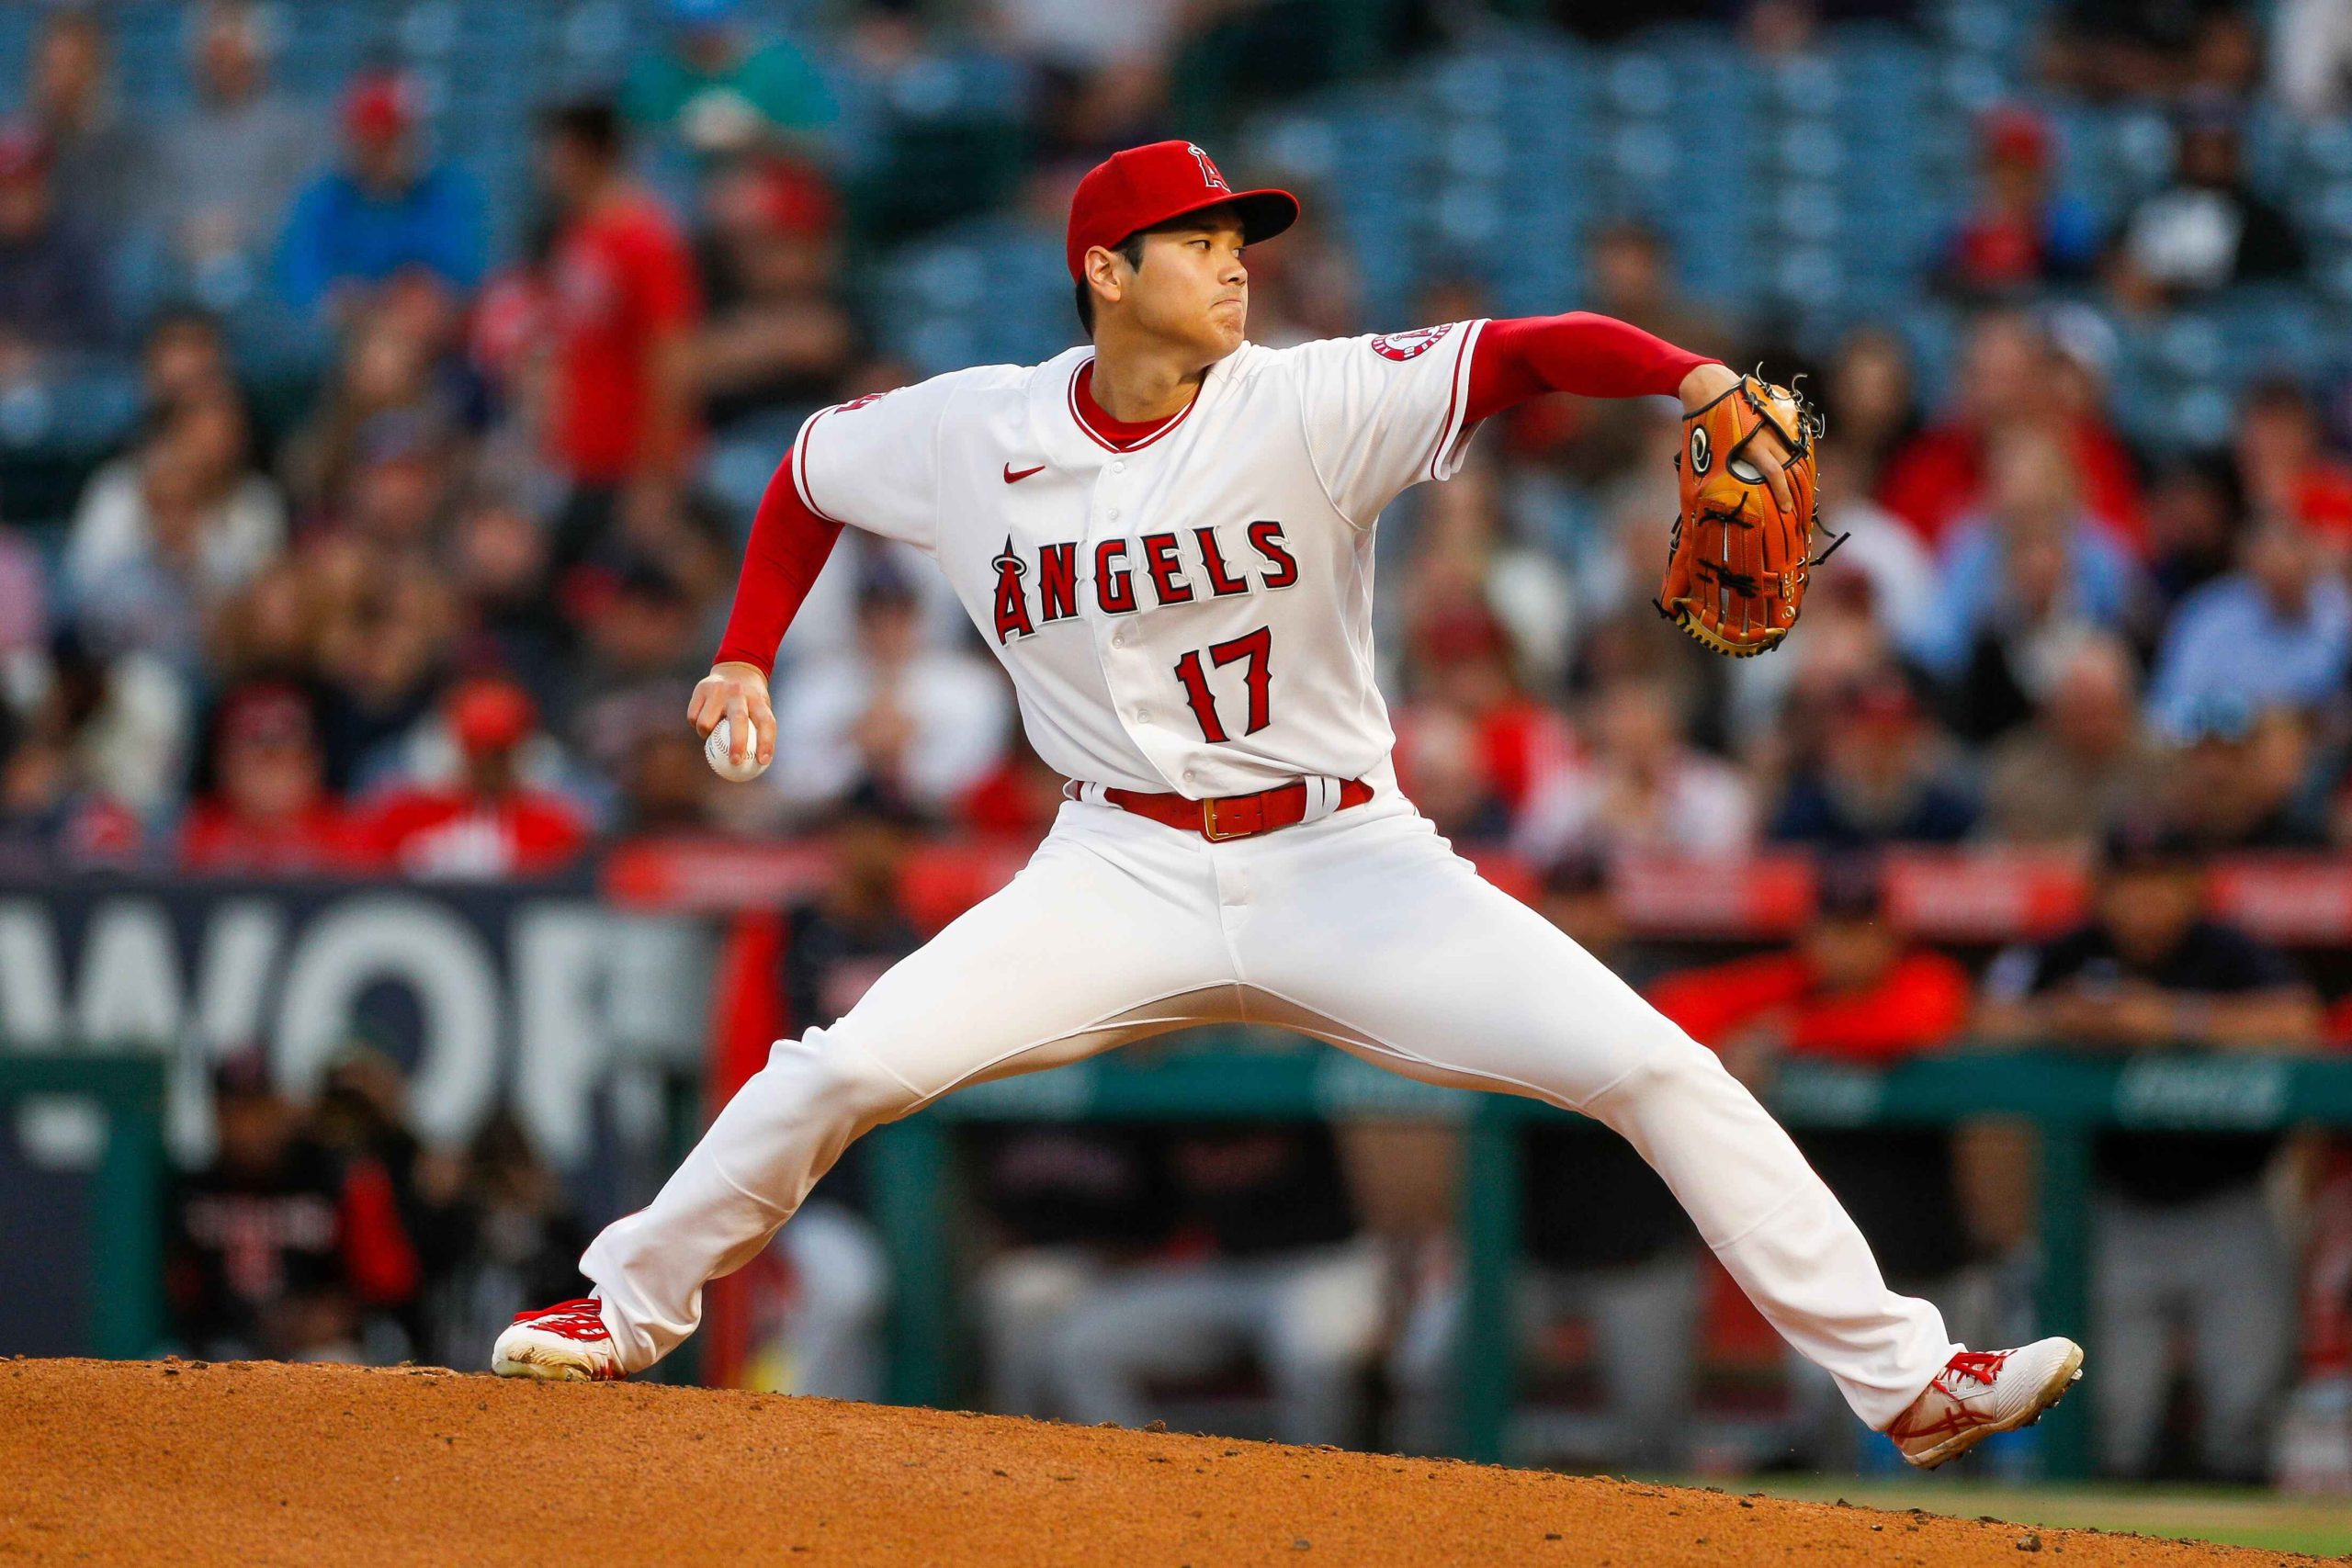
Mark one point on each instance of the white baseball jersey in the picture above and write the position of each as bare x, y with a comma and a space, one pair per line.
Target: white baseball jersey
1193, 613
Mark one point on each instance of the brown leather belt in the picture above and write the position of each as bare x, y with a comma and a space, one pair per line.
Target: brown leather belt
1230, 816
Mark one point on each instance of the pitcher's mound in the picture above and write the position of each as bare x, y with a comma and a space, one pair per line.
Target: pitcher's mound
186, 1462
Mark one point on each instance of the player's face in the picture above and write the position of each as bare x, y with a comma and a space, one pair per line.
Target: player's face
1191, 288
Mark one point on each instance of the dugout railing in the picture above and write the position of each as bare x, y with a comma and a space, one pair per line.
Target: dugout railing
2067, 1097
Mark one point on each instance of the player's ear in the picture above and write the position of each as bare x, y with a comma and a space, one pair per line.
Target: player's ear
1106, 272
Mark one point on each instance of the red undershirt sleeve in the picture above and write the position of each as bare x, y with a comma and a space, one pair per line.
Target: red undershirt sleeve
789, 546
1593, 356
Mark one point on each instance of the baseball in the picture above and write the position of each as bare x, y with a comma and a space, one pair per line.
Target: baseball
715, 750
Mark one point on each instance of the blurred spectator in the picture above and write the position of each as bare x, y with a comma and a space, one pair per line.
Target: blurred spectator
1442, 767
2186, 1237
1857, 990
387, 211
2023, 581
2277, 630
718, 91
100, 742
1639, 788
224, 175
643, 644
2006, 380
1276, 1270
165, 537
2283, 469
491, 823
779, 335
620, 427
52, 277
386, 628
924, 724
2206, 231
2310, 57
1870, 398
1610, 1247
2022, 235
1883, 777
2238, 780
1493, 613
275, 1248
184, 357
269, 812
94, 152
2194, 511
2084, 760
383, 387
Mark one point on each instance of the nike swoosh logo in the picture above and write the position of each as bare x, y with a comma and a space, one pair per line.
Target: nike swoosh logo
1011, 478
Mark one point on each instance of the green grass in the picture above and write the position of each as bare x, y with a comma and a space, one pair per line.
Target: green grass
2230, 1515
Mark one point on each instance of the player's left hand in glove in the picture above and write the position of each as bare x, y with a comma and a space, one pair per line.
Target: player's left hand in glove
1743, 540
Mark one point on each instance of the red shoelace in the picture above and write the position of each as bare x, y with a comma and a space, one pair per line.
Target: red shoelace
1981, 1365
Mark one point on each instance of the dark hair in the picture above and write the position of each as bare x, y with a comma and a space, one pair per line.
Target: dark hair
1132, 248
594, 123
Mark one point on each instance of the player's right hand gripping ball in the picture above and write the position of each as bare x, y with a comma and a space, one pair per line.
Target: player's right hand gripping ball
1735, 565
718, 750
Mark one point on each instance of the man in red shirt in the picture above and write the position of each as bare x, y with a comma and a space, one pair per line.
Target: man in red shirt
492, 824
2009, 376
626, 304
268, 811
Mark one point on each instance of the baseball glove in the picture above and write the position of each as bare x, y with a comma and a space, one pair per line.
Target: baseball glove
1737, 563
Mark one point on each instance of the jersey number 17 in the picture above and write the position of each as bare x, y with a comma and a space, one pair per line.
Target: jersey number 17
1255, 646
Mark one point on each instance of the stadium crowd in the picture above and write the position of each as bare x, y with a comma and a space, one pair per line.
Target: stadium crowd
429, 604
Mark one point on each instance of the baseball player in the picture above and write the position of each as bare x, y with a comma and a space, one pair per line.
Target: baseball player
1166, 536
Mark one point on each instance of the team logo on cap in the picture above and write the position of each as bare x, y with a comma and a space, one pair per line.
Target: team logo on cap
1401, 346
1210, 176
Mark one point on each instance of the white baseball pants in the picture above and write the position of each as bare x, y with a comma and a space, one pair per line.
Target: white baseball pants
1363, 929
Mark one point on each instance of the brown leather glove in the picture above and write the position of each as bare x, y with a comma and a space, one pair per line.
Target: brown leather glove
1737, 563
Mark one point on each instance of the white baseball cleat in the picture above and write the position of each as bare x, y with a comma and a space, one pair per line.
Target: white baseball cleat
565, 1343
1980, 1393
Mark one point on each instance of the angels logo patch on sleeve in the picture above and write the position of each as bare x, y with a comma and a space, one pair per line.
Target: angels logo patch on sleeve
1412, 345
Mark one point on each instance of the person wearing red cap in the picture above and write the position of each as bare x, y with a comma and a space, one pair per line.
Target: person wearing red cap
2020, 236
1166, 538
494, 823
385, 211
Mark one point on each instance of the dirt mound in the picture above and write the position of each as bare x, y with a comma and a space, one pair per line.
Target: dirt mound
184, 1463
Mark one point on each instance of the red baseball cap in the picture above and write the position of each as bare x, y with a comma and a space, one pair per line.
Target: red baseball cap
377, 106
1145, 185
490, 712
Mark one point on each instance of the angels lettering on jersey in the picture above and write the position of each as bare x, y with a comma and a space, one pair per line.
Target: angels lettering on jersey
1170, 570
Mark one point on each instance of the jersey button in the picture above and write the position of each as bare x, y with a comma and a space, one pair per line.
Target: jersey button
1143, 716
1118, 467
1113, 514
1118, 639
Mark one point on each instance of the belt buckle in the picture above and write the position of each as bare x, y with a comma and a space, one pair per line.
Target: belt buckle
1208, 823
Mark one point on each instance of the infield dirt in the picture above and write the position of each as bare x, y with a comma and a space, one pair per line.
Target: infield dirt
254, 1462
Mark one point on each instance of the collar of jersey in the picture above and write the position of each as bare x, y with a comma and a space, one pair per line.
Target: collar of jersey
1055, 432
